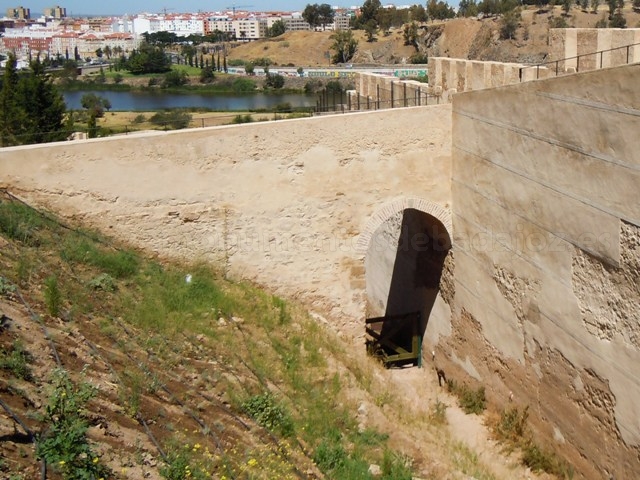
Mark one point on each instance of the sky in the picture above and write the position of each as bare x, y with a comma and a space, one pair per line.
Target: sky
120, 7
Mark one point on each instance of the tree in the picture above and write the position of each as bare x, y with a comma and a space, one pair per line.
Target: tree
108, 52
468, 8
207, 75
92, 126
43, 106
102, 78
509, 25
370, 30
566, 6
277, 29
636, 5
11, 116
410, 34
440, 10
99, 53
618, 20
325, 15
274, 80
311, 15
94, 104
175, 78
148, 59
594, 6
369, 11
417, 13
249, 69
344, 45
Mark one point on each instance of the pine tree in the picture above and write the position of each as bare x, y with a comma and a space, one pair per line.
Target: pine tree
11, 115
43, 106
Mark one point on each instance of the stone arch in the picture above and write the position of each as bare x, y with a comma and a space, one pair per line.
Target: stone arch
397, 206
405, 246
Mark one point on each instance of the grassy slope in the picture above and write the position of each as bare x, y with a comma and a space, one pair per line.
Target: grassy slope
209, 376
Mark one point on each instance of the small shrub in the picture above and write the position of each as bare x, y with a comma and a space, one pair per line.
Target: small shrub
558, 22
268, 413
329, 456
140, 118
64, 444
176, 119
175, 78
541, 460
419, 58
242, 119
103, 282
17, 361
471, 401
240, 85
178, 467
513, 424
283, 316
52, 296
439, 413
6, 287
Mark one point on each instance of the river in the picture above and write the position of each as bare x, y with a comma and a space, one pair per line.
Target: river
145, 101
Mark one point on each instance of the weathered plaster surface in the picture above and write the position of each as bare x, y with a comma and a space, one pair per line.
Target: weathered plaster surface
289, 204
546, 243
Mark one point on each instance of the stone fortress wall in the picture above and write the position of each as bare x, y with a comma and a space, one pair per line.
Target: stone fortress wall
539, 292
448, 76
546, 225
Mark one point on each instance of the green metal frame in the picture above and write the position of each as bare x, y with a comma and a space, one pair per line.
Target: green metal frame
379, 344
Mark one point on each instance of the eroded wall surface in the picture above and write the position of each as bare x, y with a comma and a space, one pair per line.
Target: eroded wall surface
546, 182
280, 203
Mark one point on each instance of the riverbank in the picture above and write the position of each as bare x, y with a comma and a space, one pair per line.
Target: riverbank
136, 121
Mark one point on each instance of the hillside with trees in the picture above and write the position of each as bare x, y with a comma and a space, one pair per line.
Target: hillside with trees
490, 30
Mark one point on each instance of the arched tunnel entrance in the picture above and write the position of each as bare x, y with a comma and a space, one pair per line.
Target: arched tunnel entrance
403, 268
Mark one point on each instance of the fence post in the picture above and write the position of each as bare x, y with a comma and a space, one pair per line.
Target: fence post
601, 53
404, 93
378, 97
392, 96
419, 96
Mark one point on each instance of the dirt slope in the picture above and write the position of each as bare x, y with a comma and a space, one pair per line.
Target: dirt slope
471, 38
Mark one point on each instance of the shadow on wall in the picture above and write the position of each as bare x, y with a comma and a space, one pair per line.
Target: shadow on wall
412, 252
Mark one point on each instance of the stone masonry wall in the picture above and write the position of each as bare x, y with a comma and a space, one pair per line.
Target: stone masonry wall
546, 239
280, 203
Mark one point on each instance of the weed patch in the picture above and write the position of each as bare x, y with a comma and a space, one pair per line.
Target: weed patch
270, 414
64, 444
471, 401
513, 429
52, 296
17, 361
